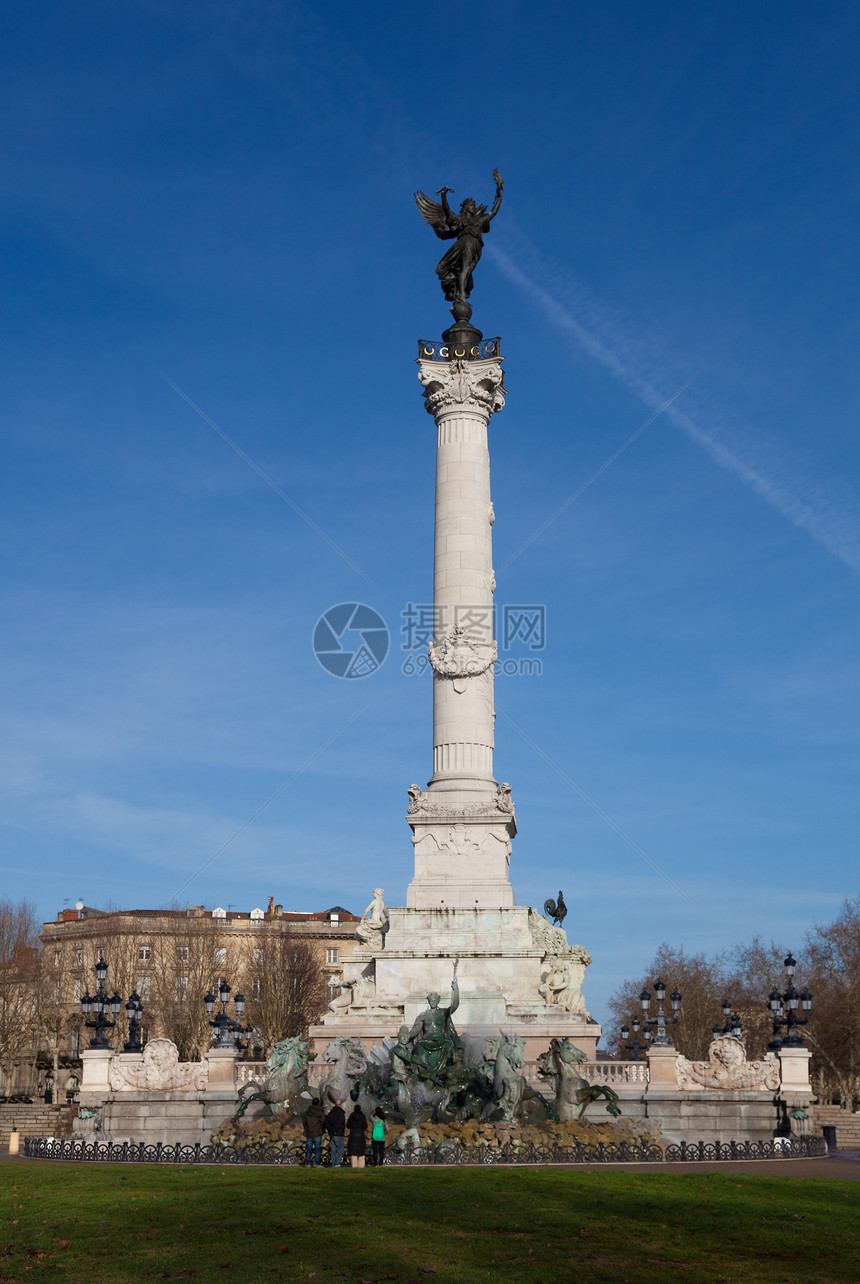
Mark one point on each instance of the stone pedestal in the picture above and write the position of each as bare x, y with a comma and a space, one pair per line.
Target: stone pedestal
794, 1072
95, 1085
501, 953
222, 1069
661, 1069
795, 1089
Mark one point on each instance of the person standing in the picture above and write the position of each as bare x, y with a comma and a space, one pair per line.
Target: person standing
356, 1126
377, 1137
335, 1126
314, 1122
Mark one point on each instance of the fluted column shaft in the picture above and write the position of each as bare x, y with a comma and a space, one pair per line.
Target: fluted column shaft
462, 397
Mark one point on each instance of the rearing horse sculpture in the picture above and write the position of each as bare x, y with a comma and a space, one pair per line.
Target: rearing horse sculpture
288, 1078
572, 1092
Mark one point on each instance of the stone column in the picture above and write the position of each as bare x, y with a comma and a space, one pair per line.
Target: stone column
661, 1070
95, 1074
463, 824
222, 1069
795, 1089
461, 396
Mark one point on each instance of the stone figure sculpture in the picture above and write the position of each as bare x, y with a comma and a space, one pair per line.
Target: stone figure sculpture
287, 1080
504, 798
562, 984
417, 800
374, 922
555, 981
469, 227
727, 1068
556, 911
433, 1041
572, 1093
159, 1070
343, 999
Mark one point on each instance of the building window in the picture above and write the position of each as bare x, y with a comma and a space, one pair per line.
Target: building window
144, 953
256, 988
331, 955
220, 956
77, 990
144, 988
334, 918
74, 1043
180, 989
79, 958
56, 991
258, 958
182, 954
56, 958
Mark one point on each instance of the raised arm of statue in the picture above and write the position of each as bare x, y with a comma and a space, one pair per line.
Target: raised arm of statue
500, 183
455, 991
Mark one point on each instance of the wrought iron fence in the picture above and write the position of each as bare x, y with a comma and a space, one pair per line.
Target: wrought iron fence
292, 1154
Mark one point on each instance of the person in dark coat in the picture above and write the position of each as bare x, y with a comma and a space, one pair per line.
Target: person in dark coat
314, 1122
335, 1126
356, 1126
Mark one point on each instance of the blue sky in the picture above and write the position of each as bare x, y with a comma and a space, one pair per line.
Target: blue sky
220, 196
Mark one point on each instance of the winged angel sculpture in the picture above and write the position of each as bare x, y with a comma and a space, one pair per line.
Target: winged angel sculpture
455, 268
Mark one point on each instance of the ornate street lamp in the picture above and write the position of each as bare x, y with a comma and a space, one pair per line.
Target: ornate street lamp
635, 1047
229, 1033
733, 1022
102, 1009
783, 1010
133, 1011
661, 1039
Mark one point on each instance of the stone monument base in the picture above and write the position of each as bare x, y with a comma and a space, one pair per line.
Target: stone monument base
186, 1118
502, 954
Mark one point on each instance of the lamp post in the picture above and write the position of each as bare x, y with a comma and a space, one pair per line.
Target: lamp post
229, 1033
783, 1010
636, 1047
733, 1022
133, 1011
102, 1009
661, 1039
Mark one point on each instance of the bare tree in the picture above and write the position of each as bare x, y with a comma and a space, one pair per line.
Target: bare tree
187, 962
57, 1009
19, 960
833, 951
285, 987
702, 983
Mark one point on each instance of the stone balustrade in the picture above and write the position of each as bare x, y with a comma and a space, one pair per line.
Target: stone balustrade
250, 1070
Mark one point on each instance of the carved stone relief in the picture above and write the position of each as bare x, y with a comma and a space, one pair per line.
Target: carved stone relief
727, 1068
423, 802
160, 1070
467, 385
459, 656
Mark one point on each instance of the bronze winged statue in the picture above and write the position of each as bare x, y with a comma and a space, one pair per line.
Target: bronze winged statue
455, 268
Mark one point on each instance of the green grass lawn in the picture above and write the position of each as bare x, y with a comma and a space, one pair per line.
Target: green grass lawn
115, 1223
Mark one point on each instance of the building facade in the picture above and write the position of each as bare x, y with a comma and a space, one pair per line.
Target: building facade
285, 964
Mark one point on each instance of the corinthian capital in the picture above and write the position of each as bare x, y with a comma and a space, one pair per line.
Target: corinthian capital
462, 385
